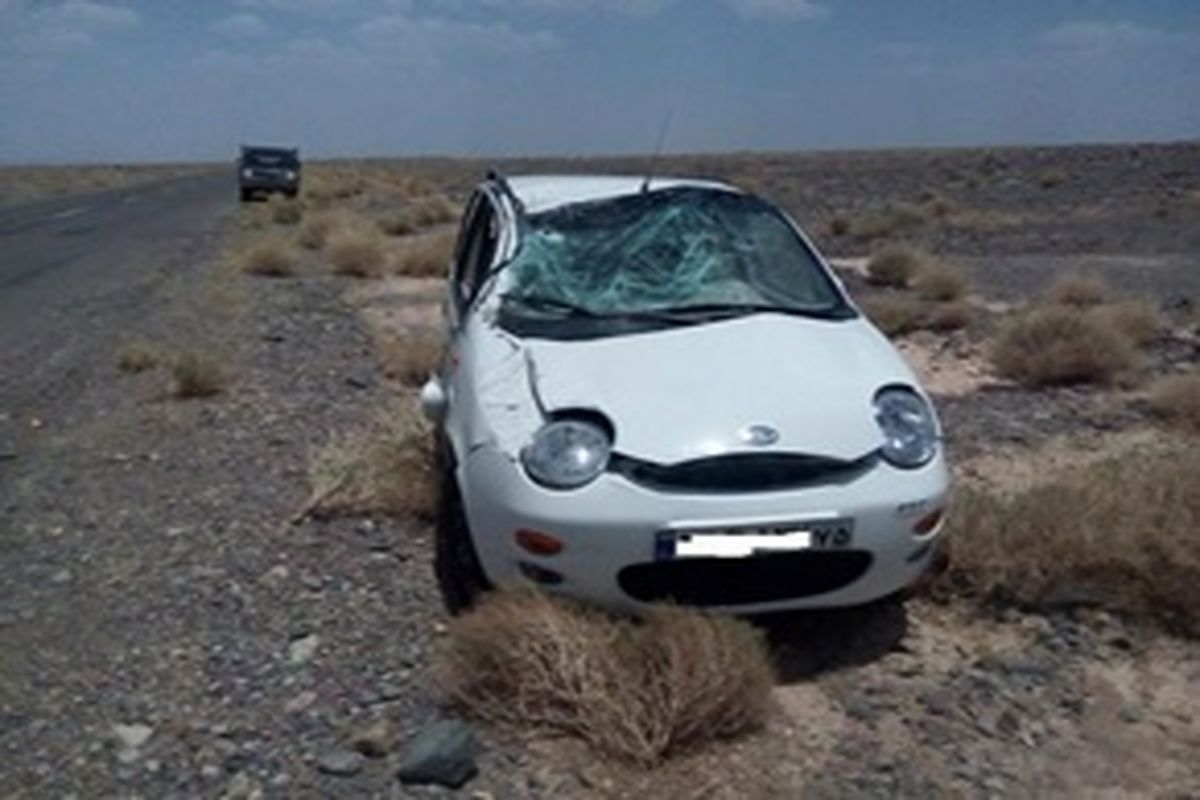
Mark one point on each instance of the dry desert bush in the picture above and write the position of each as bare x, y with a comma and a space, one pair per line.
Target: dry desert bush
386, 467
427, 255
1059, 345
271, 256
412, 359
284, 210
635, 690
1176, 400
418, 214
315, 230
1123, 534
888, 220
1136, 319
198, 374
895, 314
895, 266
1081, 291
940, 282
137, 356
357, 252
952, 316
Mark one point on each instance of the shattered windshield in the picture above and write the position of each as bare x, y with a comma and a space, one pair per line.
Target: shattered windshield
676, 250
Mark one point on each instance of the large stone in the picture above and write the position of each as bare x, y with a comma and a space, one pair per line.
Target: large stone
444, 754
342, 763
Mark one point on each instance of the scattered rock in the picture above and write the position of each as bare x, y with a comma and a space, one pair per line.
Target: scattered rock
342, 763
133, 736
444, 754
303, 649
374, 740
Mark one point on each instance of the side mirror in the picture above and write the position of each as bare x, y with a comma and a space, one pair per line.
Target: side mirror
433, 400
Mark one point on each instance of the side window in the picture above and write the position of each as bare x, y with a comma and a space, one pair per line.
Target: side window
477, 246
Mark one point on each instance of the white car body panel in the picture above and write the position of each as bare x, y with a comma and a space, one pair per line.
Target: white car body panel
674, 395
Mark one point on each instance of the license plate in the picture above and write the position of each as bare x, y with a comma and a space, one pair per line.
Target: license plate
829, 534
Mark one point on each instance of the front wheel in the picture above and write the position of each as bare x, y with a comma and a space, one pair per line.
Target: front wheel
460, 576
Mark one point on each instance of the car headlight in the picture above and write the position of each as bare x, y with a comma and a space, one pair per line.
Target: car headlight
567, 453
909, 431
291, 176
247, 173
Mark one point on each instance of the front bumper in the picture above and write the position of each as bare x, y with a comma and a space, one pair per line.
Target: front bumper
609, 530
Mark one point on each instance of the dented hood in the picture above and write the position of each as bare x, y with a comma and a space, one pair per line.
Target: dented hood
691, 392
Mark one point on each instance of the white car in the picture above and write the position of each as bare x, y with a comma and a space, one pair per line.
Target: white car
657, 390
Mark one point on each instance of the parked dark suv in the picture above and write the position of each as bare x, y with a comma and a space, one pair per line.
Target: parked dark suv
268, 169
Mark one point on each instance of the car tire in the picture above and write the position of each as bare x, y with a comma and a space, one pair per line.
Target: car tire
246, 195
460, 576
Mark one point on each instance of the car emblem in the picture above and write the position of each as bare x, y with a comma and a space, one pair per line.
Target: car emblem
759, 435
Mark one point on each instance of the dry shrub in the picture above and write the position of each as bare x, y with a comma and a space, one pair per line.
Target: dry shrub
426, 256
888, 220
1120, 534
1080, 291
838, 225
948, 316
198, 374
895, 315
356, 252
638, 691
137, 356
271, 256
284, 211
1137, 319
1051, 178
937, 204
387, 467
414, 358
940, 282
1058, 345
419, 214
1176, 400
315, 230
895, 266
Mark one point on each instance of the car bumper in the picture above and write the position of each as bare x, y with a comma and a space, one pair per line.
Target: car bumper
611, 551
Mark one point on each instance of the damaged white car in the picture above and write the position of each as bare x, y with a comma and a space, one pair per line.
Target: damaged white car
658, 391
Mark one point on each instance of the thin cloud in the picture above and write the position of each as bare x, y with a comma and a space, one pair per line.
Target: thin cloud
1100, 36
242, 25
66, 26
779, 9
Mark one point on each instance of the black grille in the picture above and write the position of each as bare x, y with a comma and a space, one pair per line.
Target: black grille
740, 581
741, 472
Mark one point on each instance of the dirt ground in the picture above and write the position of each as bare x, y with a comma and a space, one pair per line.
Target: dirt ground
166, 630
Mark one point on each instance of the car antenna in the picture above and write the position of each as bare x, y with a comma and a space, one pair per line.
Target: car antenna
658, 148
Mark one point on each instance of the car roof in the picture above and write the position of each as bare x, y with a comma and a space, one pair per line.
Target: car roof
544, 192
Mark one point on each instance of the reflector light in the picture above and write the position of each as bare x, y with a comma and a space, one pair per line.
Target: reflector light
540, 544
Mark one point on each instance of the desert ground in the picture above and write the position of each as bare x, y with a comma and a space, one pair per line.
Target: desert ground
216, 507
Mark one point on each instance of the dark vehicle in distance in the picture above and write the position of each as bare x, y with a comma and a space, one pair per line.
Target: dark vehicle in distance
268, 169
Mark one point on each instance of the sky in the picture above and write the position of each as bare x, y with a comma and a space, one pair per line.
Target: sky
170, 80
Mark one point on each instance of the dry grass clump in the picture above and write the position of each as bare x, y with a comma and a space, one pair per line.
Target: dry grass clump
356, 252
1176, 400
895, 314
414, 358
137, 356
316, 229
1058, 345
1120, 534
387, 467
940, 282
198, 374
1137, 319
1081, 291
284, 210
271, 256
426, 256
888, 220
895, 266
419, 213
951, 316
637, 691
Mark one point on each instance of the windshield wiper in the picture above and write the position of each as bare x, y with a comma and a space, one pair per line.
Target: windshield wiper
566, 308
726, 310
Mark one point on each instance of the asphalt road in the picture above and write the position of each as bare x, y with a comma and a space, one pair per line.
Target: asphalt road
76, 271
